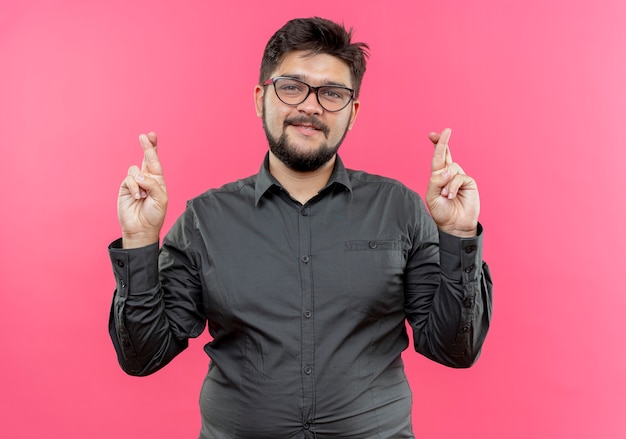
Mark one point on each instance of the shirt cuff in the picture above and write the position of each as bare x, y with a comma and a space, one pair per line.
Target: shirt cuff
135, 269
461, 258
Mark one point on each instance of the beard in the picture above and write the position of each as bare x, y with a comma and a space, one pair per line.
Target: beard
302, 161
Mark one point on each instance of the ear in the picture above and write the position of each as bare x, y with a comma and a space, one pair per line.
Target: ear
355, 112
259, 93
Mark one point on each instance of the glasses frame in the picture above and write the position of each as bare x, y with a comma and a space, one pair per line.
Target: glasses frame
316, 90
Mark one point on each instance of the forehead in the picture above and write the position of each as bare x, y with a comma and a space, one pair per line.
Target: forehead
316, 69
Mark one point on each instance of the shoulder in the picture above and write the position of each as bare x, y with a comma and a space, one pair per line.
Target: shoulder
243, 187
367, 182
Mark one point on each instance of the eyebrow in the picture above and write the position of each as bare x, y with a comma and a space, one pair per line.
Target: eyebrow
303, 78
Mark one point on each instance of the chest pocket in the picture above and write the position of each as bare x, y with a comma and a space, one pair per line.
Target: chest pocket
375, 270
376, 254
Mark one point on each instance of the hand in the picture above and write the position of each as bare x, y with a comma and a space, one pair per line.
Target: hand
452, 196
142, 199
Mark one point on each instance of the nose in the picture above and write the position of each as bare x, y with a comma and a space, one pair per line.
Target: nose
310, 105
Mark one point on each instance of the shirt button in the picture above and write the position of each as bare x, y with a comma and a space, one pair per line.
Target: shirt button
469, 249
120, 263
304, 212
308, 314
306, 426
466, 328
468, 302
308, 370
373, 244
305, 259
469, 268
122, 283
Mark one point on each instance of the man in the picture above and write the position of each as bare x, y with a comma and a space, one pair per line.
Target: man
306, 271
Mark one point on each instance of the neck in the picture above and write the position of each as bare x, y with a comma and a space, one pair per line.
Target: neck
302, 186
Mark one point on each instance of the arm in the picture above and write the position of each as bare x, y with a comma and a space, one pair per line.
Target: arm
155, 308
448, 286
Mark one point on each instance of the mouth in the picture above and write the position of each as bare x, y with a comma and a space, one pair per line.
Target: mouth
307, 127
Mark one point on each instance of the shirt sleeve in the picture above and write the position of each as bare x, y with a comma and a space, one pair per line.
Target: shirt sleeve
448, 296
157, 303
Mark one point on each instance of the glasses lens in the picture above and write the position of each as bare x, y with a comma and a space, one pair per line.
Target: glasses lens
291, 91
334, 98
294, 92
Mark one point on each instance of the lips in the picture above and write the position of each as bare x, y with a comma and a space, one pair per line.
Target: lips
311, 127
307, 124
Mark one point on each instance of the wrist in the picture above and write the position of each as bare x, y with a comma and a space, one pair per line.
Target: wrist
136, 240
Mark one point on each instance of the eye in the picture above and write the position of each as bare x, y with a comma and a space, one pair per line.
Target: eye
334, 94
290, 87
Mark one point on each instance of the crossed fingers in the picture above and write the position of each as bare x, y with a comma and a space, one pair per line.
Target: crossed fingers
446, 174
148, 179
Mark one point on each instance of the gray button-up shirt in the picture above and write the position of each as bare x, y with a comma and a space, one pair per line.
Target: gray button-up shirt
306, 304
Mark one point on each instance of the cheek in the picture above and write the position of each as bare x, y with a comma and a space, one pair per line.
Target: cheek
342, 125
270, 116
275, 115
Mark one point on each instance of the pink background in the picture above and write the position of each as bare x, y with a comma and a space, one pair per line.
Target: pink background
533, 90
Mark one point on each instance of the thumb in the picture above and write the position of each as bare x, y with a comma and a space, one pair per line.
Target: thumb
152, 188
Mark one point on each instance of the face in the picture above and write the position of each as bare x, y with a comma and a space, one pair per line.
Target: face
304, 137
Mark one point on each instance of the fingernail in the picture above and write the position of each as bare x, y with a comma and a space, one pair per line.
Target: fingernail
139, 177
137, 196
445, 174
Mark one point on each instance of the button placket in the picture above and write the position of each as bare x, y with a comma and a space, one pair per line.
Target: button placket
307, 341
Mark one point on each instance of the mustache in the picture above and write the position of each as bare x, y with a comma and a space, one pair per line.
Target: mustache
307, 120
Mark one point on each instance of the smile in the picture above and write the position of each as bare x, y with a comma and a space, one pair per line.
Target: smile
306, 130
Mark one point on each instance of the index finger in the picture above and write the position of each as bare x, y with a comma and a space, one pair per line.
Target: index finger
441, 155
151, 162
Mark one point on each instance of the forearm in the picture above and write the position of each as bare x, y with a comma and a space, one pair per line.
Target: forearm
138, 324
454, 307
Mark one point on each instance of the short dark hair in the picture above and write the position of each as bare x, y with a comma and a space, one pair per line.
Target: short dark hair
315, 35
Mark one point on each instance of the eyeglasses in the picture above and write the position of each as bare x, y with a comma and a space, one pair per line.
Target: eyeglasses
292, 91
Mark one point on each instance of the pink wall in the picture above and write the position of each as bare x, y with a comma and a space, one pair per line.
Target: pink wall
533, 90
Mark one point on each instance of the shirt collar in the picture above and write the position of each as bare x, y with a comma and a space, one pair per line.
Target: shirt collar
265, 180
